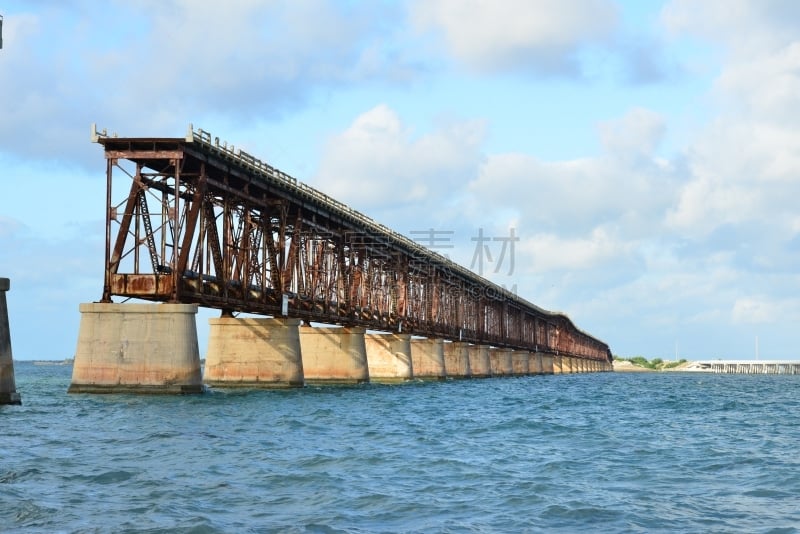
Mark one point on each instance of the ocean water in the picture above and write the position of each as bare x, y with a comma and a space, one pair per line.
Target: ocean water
658, 452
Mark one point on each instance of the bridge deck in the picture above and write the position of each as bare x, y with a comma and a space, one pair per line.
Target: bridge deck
765, 367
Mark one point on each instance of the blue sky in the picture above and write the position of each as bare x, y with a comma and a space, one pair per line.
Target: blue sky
645, 153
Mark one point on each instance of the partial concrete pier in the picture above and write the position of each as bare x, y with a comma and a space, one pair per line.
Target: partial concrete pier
501, 361
456, 359
137, 348
520, 363
8, 388
389, 357
427, 356
479, 364
535, 363
334, 355
548, 366
253, 352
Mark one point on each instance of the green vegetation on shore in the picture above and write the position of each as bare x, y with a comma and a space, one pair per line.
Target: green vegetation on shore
657, 364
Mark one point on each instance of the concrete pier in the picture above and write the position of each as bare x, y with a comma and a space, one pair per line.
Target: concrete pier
520, 364
334, 355
479, 361
427, 356
137, 348
501, 361
547, 363
535, 363
254, 352
8, 388
456, 359
389, 357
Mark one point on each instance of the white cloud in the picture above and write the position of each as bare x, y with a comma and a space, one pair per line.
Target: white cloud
380, 162
764, 309
637, 135
168, 63
548, 252
627, 186
749, 28
744, 165
543, 35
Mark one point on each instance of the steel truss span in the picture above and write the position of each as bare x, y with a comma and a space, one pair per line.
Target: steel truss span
193, 220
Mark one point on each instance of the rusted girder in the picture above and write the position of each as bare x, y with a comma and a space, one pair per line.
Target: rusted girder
199, 222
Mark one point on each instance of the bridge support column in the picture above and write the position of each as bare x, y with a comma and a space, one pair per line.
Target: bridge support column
456, 359
547, 363
389, 357
566, 365
558, 365
427, 356
137, 348
479, 361
501, 361
535, 363
8, 388
257, 353
520, 365
334, 355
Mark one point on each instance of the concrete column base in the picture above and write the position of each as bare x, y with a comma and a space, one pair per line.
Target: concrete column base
427, 357
254, 353
456, 359
479, 364
389, 357
8, 388
547, 363
501, 361
520, 363
137, 348
536, 363
335, 356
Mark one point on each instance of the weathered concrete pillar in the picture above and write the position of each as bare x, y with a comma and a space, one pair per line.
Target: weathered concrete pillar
254, 352
334, 355
8, 387
389, 357
137, 348
520, 365
427, 356
566, 365
536, 363
558, 365
501, 362
479, 361
456, 359
547, 363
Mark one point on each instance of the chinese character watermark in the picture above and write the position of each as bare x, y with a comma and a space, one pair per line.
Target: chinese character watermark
483, 252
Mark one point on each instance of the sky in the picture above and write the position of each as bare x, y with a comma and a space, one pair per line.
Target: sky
633, 164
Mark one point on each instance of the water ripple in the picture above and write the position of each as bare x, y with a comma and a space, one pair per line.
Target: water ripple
578, 453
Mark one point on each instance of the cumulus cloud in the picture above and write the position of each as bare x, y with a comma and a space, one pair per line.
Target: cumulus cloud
627, 185
380, 162
743, 165
171, 61
747, 28
539, 35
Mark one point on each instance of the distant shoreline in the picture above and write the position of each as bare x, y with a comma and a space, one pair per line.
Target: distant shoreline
625, 366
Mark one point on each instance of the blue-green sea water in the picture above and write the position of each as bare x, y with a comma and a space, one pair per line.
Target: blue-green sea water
659, 452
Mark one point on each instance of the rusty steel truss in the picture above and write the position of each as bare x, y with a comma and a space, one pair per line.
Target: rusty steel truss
193, 220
